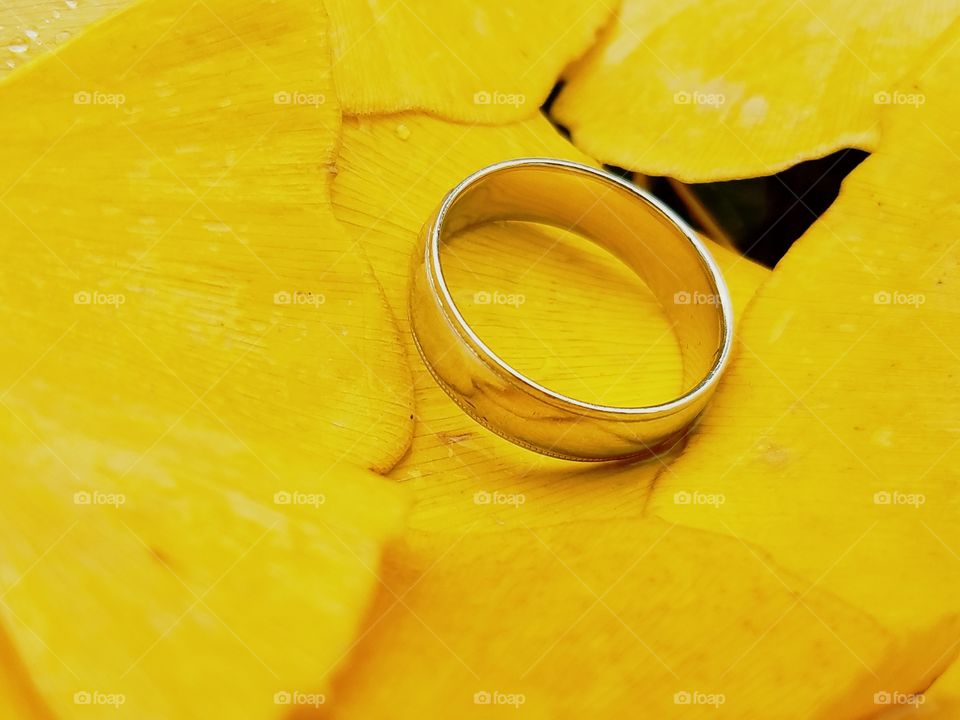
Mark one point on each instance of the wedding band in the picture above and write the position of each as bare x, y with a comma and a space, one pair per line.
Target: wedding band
635, 227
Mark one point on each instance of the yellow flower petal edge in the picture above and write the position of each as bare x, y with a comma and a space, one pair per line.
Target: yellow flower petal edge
19, 699
476, 61
195, 357
597, 618
718, 90
569, 315
191, 219
189, 587
30, 29
834, 438
941, 701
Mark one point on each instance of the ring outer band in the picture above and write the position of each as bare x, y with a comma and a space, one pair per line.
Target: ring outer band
516, 407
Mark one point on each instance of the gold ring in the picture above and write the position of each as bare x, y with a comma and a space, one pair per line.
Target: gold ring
635, 227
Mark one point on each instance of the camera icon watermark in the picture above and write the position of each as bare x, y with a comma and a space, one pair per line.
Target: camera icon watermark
299, 297
299, 698
96, 97
899, 98
294, 98
295, 497
888, 697
95, 297
496, 697
495, 97
895, 497
95, 497
896, 297
484, 497
95, 697
696, 97
695, 697
683, 297
683, 497
485, 297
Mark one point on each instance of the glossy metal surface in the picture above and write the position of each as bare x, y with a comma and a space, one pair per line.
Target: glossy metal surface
632, 225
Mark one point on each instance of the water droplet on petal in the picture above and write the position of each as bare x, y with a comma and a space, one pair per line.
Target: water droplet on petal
72, 4
18, 48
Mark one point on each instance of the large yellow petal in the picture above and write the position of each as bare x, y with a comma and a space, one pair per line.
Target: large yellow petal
717, 90
30, 28
19, 698
206, 207
186, 585
835, 437
586, 325
184, 525
940, 702
608, 619
467, 613
481, 60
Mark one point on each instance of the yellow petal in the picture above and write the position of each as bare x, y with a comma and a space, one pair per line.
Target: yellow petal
31, 28
186, 586
586, 325
19, 698
940, 702
835, 438
717, 90
596, 619
481, 61
479, 613
204, 207
184, 525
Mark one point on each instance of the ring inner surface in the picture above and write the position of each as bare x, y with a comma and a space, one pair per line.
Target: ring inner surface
623, 222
